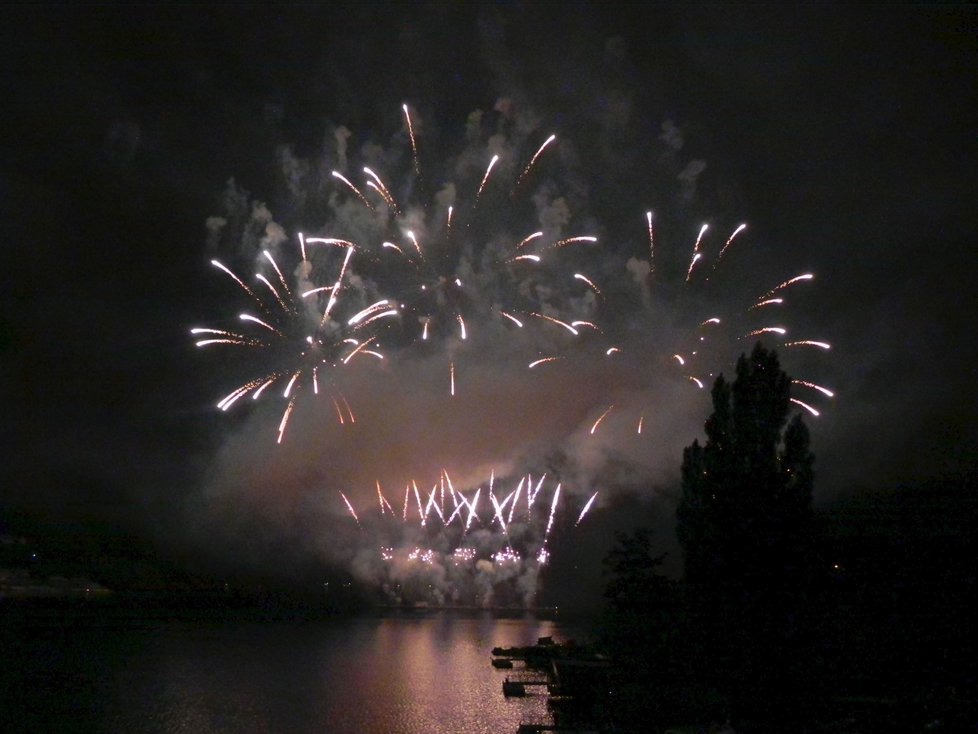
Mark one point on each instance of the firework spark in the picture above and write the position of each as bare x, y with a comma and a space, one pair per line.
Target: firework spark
354, 189
414, 144
806, 406
825, 391
589, 282
790, 281
597, 423
350, 507
727, 244
542, 360
533, 160
648, 216
808, 343
587, 506
485, 178
706, 346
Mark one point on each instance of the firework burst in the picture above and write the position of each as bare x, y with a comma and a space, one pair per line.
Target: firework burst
302, 333
698, 321
470, 253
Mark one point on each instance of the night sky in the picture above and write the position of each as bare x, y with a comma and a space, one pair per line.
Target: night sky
845, 138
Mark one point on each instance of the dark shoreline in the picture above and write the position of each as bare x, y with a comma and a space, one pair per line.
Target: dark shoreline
155, 606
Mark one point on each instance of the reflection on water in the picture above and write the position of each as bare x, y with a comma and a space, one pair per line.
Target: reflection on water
401, 674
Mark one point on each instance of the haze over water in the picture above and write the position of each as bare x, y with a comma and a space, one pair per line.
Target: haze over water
402, 674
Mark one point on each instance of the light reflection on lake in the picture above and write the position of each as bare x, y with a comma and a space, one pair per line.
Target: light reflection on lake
421, 674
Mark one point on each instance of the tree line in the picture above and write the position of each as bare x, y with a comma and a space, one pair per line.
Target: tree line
763, 631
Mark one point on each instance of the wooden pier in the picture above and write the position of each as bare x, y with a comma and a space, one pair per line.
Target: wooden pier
518, 687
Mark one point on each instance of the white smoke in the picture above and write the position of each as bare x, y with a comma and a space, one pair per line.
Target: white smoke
689, 176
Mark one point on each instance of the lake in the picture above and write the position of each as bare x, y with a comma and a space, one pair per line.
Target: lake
69, 672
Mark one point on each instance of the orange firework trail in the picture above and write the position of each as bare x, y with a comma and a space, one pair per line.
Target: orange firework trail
285, 419
383, 502
531, 258
275, 293
433, 504
727, 244
571, 240
237, 280
516, 499
350, 508
587, 324
417, 498
587, 506
533, 160
553, 511
380, 188
414, 144
255, 320
825, 391
543, 360
339, 412
590, 283
497, 510
485, 178
767, 330
528, 239
564, 324
336, 288
696, 252
790, 281
648, 217
808, 343
600, 418
806, 406
768, 302
531, 496
281, 277
227, 337
230, 399
512, 318
473, 508
354, 189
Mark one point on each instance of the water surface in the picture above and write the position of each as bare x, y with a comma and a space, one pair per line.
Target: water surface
408, 674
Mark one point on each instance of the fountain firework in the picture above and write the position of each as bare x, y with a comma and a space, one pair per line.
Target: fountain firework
478, 547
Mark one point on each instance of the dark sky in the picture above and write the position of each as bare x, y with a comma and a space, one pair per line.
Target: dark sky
845, 137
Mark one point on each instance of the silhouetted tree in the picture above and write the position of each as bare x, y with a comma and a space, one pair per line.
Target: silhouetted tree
745, 525
641, 630
634, 583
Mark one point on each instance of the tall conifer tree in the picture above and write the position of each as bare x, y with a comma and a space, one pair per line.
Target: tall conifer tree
744, 518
